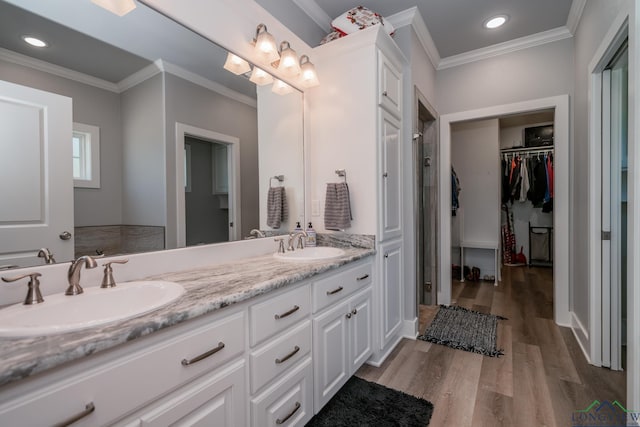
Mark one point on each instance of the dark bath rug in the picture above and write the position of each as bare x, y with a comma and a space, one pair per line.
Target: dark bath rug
363, 403
464, 329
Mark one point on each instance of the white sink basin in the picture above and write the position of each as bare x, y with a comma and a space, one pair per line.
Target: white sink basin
310, 254
94, 307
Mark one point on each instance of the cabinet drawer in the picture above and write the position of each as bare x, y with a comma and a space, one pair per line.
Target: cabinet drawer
274, 358
216, 399
332, 289
278, 313
289, 402
124, 384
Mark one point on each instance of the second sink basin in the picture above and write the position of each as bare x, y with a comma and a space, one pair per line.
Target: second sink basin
311, 254
94, 307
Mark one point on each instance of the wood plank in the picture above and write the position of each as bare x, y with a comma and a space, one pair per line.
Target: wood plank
557, 361
532, 403
497, 372
493, 410
452, 406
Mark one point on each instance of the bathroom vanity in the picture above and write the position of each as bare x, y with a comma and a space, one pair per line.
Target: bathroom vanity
257, 341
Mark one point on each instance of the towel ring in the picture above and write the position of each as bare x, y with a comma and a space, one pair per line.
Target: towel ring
342, 173
279, 178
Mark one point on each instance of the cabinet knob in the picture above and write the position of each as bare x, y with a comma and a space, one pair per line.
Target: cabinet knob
348, 315
386, 255
354, 311
384, 93
385, 175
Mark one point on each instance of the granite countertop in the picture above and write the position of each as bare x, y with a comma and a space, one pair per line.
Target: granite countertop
208, 289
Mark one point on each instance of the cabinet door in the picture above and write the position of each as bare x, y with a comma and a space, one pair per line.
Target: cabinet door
331, 365
390, 152
390, 86
391, 289
360, 330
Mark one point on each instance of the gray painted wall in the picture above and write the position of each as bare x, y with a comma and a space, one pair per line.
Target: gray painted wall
144, 198
533, 73
95, 107
193, 105
596, 19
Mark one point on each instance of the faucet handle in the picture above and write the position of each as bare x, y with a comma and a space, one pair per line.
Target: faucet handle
107, 279
281, 245
33, 294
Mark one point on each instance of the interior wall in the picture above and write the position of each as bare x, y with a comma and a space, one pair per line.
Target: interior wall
533, 73
144, 199
93, 106
596, 19
475, 157
194, 105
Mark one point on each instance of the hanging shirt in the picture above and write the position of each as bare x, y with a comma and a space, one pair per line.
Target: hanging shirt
524, 181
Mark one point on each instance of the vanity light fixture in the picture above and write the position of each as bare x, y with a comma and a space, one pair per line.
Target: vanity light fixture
265, 45
118, 7
236, 65
289, 65
308, 75
34, 41
260, 77
280, 87
495, 21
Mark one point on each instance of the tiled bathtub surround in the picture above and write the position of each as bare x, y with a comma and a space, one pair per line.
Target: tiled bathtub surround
118, 239
208, 288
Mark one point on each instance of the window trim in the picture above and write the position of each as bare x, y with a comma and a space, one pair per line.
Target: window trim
94, 148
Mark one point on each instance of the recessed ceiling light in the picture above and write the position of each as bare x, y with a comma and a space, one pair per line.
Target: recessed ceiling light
33, 41
495, 21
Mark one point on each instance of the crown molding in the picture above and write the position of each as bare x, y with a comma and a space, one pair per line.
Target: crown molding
206, 83
139, 76
521, 43
315, 12
575, 13
413, 17
47, 67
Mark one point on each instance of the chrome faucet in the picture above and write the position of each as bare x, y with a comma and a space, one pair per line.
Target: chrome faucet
47, 255
257, 233
292, 239
73, 274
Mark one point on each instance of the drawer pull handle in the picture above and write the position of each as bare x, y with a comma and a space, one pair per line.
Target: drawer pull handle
288, 356
284, 420
335, 291
211, 352
287, 313
363, 277
89, 408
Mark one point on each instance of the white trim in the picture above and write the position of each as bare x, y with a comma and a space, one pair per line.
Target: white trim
316, 13
410, 328
377, 362
561, 276
139, 77
575, 13
413, 17
206, 83
233, 144
581, 335
56, 70
510, 46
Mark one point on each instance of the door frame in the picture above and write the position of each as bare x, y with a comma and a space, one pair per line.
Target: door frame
233, 146
561, 249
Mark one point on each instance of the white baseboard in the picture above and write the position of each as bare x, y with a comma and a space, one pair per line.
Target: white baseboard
410, 329
378, 359
581, 334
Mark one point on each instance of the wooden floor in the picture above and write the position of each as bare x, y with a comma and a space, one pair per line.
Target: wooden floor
541, 380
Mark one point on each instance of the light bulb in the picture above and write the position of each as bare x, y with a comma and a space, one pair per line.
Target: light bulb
309, 77
289, 65
265, 45
236, 65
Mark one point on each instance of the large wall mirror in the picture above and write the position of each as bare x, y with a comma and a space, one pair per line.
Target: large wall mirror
161, 147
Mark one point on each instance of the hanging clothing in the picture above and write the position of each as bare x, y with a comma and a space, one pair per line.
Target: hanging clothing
455, 192
524, 181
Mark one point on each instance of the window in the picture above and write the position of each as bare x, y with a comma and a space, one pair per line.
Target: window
86, 156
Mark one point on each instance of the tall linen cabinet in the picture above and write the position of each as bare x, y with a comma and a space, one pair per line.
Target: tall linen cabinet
354, 123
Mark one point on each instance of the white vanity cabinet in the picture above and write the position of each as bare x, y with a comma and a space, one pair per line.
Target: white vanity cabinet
134, 375
342, 331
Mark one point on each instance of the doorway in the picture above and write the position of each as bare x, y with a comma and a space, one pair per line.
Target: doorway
425, 166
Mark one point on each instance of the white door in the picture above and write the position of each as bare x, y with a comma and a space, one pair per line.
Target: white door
36, 182
614, 207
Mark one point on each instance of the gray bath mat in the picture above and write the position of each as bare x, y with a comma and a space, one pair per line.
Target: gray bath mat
464, 329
